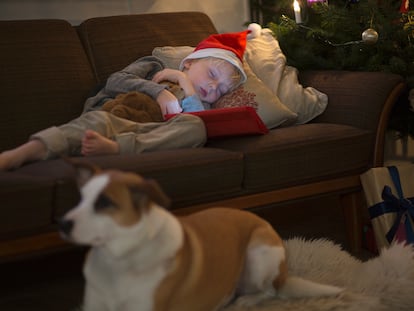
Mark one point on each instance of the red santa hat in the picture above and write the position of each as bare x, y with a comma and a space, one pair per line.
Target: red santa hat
227, 46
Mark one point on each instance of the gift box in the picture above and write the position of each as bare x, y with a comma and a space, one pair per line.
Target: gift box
389, 192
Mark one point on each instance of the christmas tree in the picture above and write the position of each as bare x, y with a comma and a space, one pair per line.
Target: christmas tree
362, 35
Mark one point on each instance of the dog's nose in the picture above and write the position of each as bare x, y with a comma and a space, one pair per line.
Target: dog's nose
66, 226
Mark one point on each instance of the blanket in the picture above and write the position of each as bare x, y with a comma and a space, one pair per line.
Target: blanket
382, 283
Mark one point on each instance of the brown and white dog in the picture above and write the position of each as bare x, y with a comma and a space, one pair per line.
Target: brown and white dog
144, 258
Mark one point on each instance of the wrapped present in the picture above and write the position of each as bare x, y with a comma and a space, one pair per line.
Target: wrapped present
389, 192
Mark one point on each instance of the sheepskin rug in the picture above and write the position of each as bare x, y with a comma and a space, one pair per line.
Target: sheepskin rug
382, 283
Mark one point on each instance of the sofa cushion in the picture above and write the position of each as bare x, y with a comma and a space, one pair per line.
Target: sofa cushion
114, 42
233, 121
45, 77
192, 176
187, 175
300, 154
26, 203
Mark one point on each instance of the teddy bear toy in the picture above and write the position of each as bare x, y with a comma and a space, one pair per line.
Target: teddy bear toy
139, 107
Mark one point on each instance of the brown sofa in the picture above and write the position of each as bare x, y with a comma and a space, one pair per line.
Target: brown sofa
48, 69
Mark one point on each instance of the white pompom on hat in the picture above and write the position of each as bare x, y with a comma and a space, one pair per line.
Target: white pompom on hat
255, 31
227, 46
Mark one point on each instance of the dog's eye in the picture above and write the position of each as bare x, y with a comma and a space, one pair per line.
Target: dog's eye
103, 202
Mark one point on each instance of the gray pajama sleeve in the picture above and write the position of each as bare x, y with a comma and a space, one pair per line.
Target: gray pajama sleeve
135, 77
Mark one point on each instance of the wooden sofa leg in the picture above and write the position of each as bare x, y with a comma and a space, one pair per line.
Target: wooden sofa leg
352, 205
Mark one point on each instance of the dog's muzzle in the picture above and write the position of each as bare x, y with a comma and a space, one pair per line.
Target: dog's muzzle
66, 226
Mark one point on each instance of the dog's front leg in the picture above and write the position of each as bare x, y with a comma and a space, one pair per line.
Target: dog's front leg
133, 305
93, 301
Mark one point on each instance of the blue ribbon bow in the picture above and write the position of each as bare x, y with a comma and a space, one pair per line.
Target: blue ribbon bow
403, 207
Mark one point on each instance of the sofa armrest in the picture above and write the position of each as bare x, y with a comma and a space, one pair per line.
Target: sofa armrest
360, 99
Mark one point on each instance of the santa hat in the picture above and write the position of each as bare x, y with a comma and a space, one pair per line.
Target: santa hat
227, 46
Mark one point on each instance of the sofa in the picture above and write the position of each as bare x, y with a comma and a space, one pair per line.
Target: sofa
49, 67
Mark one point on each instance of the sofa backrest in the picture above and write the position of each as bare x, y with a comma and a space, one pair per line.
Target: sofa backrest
49, 67
116, 41
370, 91
45, 77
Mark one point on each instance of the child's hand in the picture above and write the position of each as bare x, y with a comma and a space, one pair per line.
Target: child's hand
168, 103
168, 74
175, 76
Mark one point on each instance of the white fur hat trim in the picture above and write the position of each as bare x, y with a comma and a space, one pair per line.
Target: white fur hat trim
217, 53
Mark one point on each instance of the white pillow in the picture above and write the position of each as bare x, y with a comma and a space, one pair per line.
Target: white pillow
172, 55
268, 62
306, 102
266, 59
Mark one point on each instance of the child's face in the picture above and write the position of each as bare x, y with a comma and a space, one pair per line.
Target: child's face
210, 80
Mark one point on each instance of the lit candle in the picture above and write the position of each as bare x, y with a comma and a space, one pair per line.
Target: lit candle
296, 8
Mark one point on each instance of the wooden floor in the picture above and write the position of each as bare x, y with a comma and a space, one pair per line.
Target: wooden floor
55, 283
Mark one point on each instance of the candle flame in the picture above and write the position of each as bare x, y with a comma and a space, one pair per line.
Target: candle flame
296, 6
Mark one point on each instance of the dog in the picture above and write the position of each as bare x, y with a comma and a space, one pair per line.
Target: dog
144, 258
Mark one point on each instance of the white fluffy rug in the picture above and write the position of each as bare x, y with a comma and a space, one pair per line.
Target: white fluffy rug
382, 283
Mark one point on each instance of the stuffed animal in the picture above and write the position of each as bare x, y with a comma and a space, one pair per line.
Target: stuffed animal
139, 107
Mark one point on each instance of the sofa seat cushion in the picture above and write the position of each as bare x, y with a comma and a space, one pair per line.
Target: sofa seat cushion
26, 203
300, 154
187, 175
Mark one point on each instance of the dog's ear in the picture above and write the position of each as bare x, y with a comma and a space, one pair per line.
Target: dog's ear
152, 190
156, 193
84, 170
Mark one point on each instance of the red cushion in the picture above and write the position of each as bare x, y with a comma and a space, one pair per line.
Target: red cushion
235, 121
